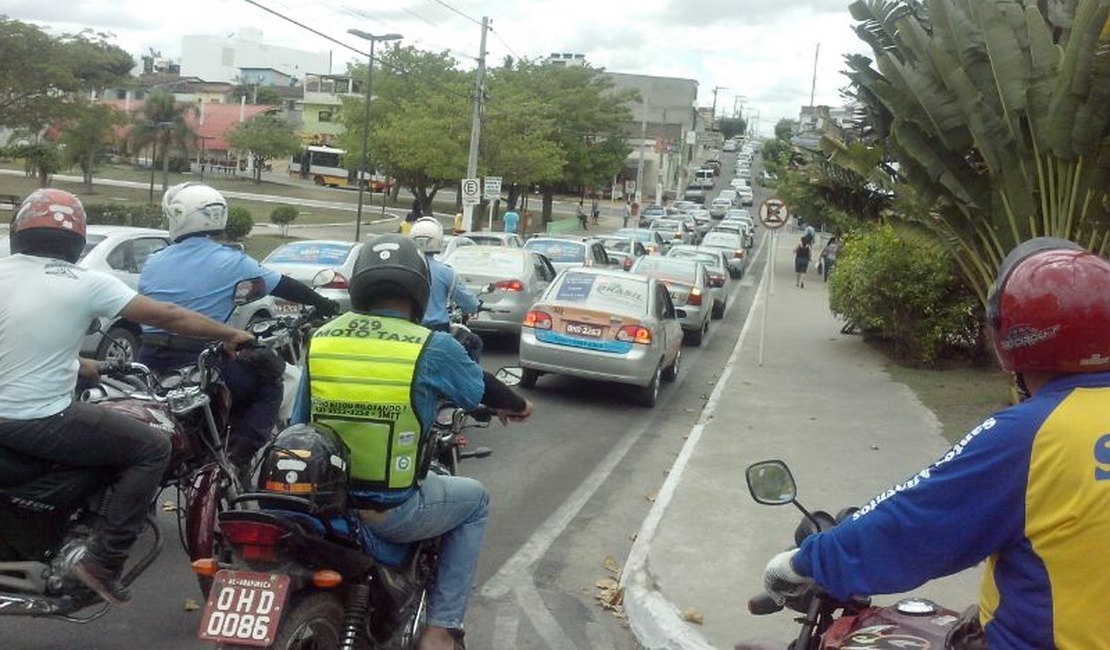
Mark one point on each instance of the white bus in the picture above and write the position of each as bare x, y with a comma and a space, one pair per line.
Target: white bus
324, 165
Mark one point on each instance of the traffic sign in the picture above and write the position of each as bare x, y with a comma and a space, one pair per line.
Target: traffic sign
471, 191
493, 188
774, 213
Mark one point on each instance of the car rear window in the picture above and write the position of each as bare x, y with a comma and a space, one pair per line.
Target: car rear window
90, 243
559, 251
310, 253
722, 239
487, 261
668, 268
709, 259
624, 294
487, 240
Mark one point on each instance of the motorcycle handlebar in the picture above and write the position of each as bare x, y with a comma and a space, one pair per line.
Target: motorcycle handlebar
763, 604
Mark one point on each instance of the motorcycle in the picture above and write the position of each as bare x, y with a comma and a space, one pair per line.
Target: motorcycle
299, 576
826, 622
461, 332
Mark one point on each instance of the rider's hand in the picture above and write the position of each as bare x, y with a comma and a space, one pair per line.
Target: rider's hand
238, 340
506, 416
781, 581
89, 368
328, 308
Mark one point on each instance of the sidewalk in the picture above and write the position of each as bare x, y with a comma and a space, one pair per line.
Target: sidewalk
823, 403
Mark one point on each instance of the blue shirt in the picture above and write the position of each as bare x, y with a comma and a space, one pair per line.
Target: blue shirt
445, 288
444, 372
1029, 491
200, 274
512, 220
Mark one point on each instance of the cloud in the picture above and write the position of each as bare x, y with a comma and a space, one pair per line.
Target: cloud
746, 12
96, 15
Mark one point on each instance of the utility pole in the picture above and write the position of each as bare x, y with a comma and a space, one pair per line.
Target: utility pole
640, 165
476, 122
713, 115
813, 88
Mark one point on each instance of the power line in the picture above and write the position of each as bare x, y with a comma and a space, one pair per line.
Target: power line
306, 27
471, 19
509, 47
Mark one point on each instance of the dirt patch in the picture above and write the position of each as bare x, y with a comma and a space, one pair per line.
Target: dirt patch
961, 397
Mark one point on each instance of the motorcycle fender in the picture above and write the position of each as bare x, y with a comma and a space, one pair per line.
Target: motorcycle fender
202, 500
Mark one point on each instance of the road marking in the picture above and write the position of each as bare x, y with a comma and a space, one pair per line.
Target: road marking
505, 625
531, 603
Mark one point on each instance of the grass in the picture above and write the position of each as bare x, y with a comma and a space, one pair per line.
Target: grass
259, 246
961, 397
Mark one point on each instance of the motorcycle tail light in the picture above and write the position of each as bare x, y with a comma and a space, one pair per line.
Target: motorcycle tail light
510, 285
256, 540
538, 319
326, 579
205, 566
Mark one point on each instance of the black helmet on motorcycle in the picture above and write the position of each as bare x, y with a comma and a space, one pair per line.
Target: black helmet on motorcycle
309, 461
390, 267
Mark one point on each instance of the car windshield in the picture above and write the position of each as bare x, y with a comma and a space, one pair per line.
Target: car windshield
622, 295
615, 244
481, 260
487, 240
668, 268
559, 251
644, 236
318, 253
90, 243
666, 224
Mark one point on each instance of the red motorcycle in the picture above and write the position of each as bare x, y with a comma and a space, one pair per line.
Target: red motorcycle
826, 622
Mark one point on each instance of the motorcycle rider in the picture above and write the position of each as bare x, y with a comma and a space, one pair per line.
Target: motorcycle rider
200, 273
48, 304
427, 232
375, 376
1028, 489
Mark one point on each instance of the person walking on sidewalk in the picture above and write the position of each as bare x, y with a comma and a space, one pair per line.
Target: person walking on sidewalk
801, 263
581, 214
595, 210
828, 256
1028, 490
511, 220
627, 212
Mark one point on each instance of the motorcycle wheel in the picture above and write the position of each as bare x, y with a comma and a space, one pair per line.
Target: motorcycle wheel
313, 623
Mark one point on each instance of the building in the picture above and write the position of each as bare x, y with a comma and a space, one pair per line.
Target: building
566, 59
318, 109
265, 77
220, 57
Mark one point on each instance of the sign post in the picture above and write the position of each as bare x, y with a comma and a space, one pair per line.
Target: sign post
773, 214
471, 196
492, 193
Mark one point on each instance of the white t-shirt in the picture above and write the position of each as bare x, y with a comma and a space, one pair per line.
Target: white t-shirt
46, 306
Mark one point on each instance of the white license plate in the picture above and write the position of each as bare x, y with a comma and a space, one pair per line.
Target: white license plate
244, 608
582, 329
286, 307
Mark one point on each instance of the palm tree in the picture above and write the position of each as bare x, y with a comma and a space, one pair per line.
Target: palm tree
164, 125
997, 113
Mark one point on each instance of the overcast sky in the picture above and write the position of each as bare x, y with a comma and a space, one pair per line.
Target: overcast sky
759, 50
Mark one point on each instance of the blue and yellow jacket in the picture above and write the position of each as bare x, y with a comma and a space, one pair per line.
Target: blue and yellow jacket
1029, 491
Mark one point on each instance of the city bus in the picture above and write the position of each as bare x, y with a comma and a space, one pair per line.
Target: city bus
324, 165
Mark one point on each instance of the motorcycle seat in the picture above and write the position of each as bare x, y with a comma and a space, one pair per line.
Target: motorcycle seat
391, 554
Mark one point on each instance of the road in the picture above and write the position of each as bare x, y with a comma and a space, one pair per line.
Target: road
569, 490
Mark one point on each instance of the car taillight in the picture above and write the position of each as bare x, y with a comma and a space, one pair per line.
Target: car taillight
538, 319
738, 253
634, 334
337, 282
694, 298
510, 285
257, 540
716, 280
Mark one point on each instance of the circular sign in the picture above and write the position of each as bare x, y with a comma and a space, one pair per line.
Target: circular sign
774, 213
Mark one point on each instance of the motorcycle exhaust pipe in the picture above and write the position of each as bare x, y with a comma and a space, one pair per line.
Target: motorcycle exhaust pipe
480, 452
20, 605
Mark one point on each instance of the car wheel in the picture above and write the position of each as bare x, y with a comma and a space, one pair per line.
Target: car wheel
126, 350
697, 337
719, 309
528, 377
649, 395
670, 375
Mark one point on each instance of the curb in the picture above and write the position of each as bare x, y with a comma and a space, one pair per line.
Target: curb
655, 621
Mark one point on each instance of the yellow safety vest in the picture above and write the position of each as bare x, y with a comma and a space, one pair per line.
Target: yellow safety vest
361, 370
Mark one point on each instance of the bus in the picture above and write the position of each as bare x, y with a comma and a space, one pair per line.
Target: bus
324, 165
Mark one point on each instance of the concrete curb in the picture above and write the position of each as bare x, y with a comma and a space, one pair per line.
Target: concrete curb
655, 621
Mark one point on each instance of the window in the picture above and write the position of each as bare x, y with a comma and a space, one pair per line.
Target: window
144, 248
324, 116
543, 271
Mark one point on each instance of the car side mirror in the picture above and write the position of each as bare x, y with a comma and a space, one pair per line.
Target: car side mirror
771, 483
247, 291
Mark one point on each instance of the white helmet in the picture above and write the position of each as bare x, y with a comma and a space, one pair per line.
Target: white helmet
192, 208
427, 232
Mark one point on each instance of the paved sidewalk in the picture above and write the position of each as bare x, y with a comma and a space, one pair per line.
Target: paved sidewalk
823, 403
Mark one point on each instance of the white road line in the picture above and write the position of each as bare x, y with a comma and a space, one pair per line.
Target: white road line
531, 603
505, 625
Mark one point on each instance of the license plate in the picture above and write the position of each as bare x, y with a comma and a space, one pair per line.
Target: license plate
244, 608
286, 307
582, 329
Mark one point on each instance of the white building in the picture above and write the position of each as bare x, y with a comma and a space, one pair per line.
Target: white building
219, 57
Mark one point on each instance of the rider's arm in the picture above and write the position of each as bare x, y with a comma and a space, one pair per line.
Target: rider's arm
466, 301
948, 517
500, 397
179, 320
297, 291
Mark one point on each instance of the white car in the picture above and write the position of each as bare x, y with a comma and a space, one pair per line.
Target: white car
719, 207
746, 197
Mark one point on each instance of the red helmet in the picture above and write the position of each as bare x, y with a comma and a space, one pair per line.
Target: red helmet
49, 223
1049, 309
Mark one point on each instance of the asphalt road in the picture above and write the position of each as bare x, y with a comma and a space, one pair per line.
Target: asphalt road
569, 490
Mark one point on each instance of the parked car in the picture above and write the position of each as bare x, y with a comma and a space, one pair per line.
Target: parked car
716, 268
617, 248
676, 231
494, 238
733, 246
518, 276
565, 253
651, 239
606, 325
305, 260
689, 288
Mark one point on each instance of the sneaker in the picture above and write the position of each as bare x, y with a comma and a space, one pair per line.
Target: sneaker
102, 578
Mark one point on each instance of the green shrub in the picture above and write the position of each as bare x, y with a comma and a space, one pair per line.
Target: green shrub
119, 214
905, 293
239, 222
283, 215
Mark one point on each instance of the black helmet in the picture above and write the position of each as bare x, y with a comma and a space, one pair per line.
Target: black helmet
309, 461
390, 266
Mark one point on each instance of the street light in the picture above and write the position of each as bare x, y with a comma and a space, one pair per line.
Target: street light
374, 39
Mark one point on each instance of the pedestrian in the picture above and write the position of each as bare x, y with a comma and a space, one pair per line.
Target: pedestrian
581, 214
511, 221
636, 213
595, 209
828, 256
627, 212
801, 263
410, 218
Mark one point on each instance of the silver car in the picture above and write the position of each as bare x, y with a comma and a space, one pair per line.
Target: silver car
653, 242
494, 238
304, 260
566, 253
733, 246
716, 268
519, 276
689, 288
675, 231
607, 325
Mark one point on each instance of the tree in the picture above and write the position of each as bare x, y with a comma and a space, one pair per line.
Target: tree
283, 215
265, 136
732, 126
42, 159
164, 125
42, 76
996, 112
784, 129
261, 95
86, 136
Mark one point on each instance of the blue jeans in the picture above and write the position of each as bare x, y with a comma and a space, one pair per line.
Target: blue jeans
456, 509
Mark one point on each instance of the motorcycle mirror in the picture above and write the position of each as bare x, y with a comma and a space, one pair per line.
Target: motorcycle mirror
771, 483
509, 375
323, 278
247, 291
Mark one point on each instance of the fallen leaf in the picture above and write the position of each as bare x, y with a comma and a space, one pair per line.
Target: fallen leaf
611, 565
607, 583
191, 605
693, 615
169, 506
633, 536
